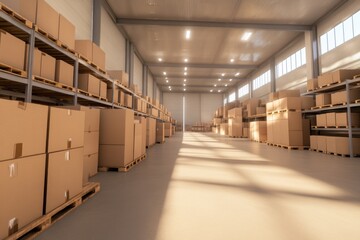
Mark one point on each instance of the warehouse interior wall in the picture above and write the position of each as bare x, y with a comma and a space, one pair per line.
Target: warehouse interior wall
209, 104
138, 72
346, 55
174, 104
113, 46
79, 12
150, 88
158, 92
264, 90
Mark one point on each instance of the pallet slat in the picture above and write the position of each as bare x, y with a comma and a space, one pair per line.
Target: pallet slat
15, 15
9, 69
126, 168
53, 83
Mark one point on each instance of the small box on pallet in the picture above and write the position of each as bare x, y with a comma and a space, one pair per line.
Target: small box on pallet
47, 19
66, 32
89, 83
12, 50
64, 73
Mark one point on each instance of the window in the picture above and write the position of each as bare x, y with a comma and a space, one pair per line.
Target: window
244, 90
340, 34
232, 97
262, 80
291, 63
225, 101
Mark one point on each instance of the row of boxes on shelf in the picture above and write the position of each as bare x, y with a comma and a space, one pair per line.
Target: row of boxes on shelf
337, 98
334, 144
337, 119
331, 78
48, 153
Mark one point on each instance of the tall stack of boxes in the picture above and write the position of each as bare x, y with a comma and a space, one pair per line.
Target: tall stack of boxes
168, 130
139, 146
23, 128
235, 122
65, 156
143, 122
160, 132
116, 138
258, 131
150, 132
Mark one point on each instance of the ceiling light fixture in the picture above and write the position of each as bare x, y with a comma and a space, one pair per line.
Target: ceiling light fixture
184, 80
167, 81
211, 90
223, 74
169, 87
184, 89
188, 34
237, 74
185, 73
219, 90
226, 85
215, 85
184, 85
164, 73
219, 79
232, 60
230, 80
246, 36
186, 60
160, 59
185, 68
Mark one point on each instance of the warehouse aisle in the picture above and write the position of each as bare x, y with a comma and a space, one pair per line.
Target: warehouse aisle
203, 186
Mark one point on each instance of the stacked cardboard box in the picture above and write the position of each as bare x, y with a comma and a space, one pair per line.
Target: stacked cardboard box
23, 128
116, 138
251, 106
12, 50
122, 98
91, 52
44, 66
89, 83
168, 130
160, 132
143, 122
235, 122
224, 129
334, 144
217, 121
138, 139
258, 131
113, 95
150, 132
64, 73
120, 76
337, 76
65, 156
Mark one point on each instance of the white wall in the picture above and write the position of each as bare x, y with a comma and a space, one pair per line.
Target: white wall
348, 54
112, 42
174, 103
209, 104
138, 73
158, 92
192, 108
79, 13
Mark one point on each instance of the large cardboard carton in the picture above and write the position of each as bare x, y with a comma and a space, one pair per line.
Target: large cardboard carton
323, 99
325, 79
103, 89
331, 144
314, 142
331, 119
66, 32
128, 100
293, 103
89, 83
321, 120
92, 117
251, 106
269, 107
341, 97
64, 73
235, 130
160, 132
116, 126
235, 113
143, 122
36, 62
138, 137
23, 128
217, 121
307, 103
12, 50
47, 19
342, 145
116, 156
26, 8
150, 132
321, 143
85, 48
120, 76
66, 129
22, 191
91, 143
98, 56
292, 138
260, 110
312, 84
224, 129
113, 95
48, 66
168, 132
258, 131
344, 74
342, 119
64, 177
90, 168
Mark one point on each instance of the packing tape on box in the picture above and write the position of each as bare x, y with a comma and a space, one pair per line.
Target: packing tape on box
69, 143
22, 105
13, 226
67, 195
12, 170
67, 155
18, 148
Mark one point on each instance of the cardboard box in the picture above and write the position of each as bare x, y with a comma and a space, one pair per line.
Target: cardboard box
66, 129
91, 143
36, 62
103, 89
138, 104
143, 122
314, 142
291, 138
246, 132
341, 97
90, 168
138, 143
89, 83
113, 95
23, 128
26, 8
64, 177
128, 100
251, 106
293, 103
150, 132
330, 144
160, 132
47, 19
92, 117
323, 99
64, 73
22, 191
66, 32
120, 76
325, 79
288, 93
122, 98
217, 121
12, 50
235, 130
344, 74
98, 56
307, 103
343, 121
116, 156
342, 145
224, 129
291, 121
312, 84
330, 119
134, 88
48, 66
258, 131
116, 127
85, 48
269, 107
321, 142
260, 110
321, 120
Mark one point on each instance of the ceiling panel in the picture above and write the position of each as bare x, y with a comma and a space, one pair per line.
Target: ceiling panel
194, 89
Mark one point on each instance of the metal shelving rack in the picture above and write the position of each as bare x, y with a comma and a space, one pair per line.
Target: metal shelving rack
346, 85
25, 87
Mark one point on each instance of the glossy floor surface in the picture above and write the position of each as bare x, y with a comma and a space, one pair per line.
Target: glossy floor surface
207, 187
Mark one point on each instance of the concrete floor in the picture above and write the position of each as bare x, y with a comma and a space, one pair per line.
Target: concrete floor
206, 187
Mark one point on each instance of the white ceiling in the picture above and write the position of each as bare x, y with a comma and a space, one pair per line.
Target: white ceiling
212, 47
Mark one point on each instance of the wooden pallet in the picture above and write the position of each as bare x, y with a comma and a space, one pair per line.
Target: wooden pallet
289, 147
127, 168
53, 83
321, 107
91, 95
82, 57
330, 84
357, 101
338, 104
46, 34
338, 154
235, 137
97, 67
15, 15
65, 46
9, 69
283, 111
41, 224
316, 150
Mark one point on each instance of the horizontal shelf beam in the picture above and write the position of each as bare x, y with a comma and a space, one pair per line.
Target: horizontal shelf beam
210, 24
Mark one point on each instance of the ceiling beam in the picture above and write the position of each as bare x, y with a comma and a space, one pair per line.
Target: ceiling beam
201, 65
198, 78
185, 23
